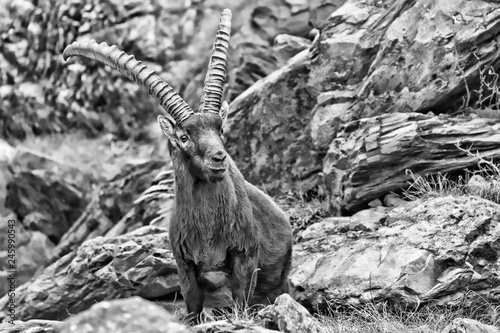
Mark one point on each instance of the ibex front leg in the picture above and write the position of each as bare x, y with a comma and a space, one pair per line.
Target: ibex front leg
194, 296
242, 268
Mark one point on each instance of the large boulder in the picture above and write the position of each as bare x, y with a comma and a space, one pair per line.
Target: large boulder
112, 210
45, 202
289, 316
427, 251
371, 58
123, 316
139, 263
465, 325
404, 56
370, 157
428, 52
265, 130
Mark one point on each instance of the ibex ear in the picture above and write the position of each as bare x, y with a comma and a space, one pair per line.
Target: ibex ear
224, 109
168, 127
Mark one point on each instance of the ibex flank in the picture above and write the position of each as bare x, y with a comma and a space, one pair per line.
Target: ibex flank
225, 233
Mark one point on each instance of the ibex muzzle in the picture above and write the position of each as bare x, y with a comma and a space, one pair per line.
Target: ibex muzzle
223, 229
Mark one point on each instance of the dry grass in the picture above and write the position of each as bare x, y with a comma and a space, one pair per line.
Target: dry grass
485, 182
436, 185
380, 318
488, 93
370, 318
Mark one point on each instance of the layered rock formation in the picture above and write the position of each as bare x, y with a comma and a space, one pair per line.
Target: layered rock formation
301, 128
443, 251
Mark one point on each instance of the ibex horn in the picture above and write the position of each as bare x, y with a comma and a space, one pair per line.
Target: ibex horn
135, 71
211, 97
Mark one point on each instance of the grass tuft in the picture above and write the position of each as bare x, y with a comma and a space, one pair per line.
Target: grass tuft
371, 318
483, 182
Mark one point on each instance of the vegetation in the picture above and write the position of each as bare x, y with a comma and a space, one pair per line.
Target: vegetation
483, 182
485, 100
373, 318
380, 318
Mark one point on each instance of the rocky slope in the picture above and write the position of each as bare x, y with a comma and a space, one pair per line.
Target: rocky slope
378, 91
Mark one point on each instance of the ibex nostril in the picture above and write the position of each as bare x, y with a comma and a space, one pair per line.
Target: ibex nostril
219, 157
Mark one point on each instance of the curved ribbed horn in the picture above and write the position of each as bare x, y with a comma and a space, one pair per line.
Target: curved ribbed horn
212, 89
135, 71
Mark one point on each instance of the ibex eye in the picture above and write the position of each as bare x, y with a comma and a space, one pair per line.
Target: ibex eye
184, 138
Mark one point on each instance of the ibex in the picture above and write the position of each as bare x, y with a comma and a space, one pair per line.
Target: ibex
223, 229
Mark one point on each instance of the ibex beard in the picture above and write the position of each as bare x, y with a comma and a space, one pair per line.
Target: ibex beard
223, 229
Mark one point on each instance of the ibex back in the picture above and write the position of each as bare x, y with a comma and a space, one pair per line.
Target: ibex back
223, 229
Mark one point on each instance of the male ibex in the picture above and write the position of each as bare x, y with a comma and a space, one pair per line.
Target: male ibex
223, 229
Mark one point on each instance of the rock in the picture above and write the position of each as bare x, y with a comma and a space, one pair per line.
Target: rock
271, 143
477, 184
367, 220
416, 65
367, 63
393, 200
375, 203
55, 201
486, 188
465, 325
320, 10
7, 151
102, 268
225, 326
287, 46
120, 193
123, 316
329, 226
30, 326
356, 165
32, 251
290, 154
21, 8
372, 218
428, 251
325, 122
112, 207
290, 317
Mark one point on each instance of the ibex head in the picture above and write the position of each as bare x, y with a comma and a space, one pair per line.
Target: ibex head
198, 142
195, 137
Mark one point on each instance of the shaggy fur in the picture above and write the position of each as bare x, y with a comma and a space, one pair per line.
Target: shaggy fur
222, 228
